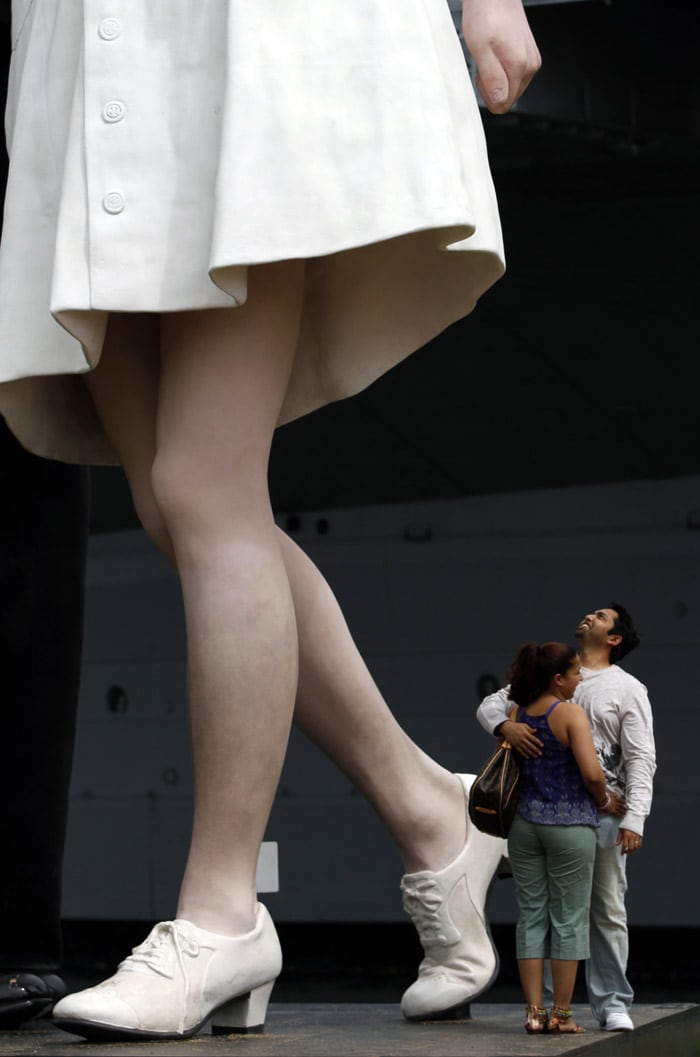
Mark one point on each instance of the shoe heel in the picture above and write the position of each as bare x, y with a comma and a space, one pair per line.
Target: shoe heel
244, 1015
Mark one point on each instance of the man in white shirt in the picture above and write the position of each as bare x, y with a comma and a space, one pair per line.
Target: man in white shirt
618, 708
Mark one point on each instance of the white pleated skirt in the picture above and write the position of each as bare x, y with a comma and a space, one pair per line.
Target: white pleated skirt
158, 148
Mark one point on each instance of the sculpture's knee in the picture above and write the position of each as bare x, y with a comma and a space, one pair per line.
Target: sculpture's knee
151, 518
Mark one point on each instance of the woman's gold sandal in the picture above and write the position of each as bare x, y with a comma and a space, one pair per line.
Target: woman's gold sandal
561, 1022
536, 1020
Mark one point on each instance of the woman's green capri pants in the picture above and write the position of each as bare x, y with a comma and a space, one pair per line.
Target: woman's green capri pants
553, 872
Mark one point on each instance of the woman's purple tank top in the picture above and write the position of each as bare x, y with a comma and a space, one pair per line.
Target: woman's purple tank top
552, 792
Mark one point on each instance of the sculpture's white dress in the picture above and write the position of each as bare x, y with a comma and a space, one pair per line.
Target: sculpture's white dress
158, 147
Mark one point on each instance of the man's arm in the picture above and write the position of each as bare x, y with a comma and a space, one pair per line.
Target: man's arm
638, 756
494, 710
492, 714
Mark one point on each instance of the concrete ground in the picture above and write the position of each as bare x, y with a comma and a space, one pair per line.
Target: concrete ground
340, 988
378, 1030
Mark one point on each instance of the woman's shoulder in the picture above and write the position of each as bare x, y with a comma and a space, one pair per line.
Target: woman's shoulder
570, 712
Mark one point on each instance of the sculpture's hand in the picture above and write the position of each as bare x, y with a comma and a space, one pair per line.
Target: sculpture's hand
501, 43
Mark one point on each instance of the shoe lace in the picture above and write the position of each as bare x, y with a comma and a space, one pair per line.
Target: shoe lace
155, 953
423, 902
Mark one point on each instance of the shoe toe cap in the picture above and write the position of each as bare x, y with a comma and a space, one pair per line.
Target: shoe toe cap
96, 1006
432, 995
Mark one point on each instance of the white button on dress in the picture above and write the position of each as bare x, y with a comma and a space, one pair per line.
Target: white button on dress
113, 111
109, 28
113, 202
157, 150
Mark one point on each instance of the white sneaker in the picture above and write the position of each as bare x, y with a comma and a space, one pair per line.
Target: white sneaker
447, 908
176, 980
618, 1020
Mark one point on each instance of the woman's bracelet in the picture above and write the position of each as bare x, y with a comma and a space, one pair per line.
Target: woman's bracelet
606, 802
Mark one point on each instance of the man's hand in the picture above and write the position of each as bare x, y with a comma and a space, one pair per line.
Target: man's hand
616, 805
501, 43
629, 841
521, 737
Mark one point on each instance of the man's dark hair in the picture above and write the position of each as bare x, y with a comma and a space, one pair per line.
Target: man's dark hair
623, 626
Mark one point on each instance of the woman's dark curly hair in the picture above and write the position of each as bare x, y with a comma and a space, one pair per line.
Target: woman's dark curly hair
534, 666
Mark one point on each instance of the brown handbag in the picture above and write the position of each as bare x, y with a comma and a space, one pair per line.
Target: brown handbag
493, 796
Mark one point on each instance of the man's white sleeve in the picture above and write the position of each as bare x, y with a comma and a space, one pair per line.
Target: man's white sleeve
494, 709
638, 757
